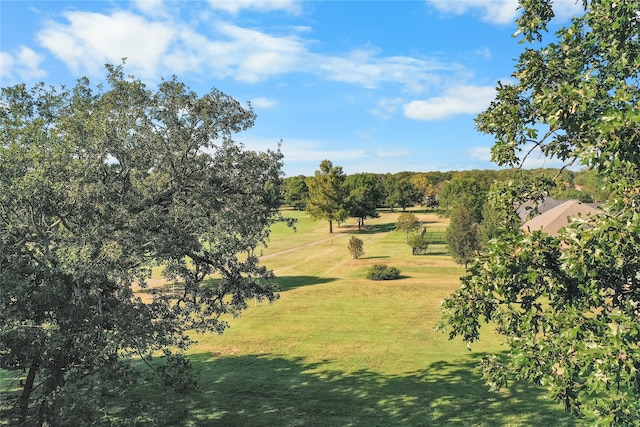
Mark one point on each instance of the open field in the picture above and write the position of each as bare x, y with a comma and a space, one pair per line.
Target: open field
339, 350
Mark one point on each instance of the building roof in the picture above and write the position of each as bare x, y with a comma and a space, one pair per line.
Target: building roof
548, 203
555, 218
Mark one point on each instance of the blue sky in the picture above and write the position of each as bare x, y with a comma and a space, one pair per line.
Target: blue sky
373, 86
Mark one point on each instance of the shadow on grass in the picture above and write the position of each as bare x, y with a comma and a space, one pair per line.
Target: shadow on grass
377, 228
375, 257
433, 252
266, 390
286, 283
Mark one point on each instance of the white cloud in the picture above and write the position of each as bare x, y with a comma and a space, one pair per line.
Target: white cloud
302, 150
567, 8
366, 68
151, 7
502, 11
317, 155
22, 65
484, 53
156, 45
6, 64
257, 55
456, 100
93, 39
480, 153
262, 102
235, 6
496, 11
386, 108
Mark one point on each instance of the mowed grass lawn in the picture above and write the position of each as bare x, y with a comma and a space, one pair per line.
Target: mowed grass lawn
339, 350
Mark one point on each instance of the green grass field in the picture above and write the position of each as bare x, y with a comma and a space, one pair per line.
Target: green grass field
340, 350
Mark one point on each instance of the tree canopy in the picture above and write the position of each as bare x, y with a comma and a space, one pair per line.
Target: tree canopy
401, 191
355, 247
569, 306
407, 222
463, 235
364, 194
327, 194
464, 189
97, 185
296, 192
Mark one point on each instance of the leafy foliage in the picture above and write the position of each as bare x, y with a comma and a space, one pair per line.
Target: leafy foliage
400, 191
356, 247
464, 190
463, 235
96, 186
569, 306
407, 222
327, 194
425, 190
296, 192
364, 195
419, 242
383, 272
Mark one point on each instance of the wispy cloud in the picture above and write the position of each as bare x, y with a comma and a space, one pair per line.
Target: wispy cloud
480, 153
386, 108
151, 7
368, 69
264, 103
310, 151
456, 100
89, 40
235, 6
496, 11
21, 65
500, 11
160, 44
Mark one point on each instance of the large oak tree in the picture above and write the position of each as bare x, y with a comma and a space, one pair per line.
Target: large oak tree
97, 185
569, 306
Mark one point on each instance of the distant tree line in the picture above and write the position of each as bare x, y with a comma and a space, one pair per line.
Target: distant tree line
460, 195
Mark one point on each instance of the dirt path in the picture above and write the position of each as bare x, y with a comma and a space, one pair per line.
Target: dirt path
286, 251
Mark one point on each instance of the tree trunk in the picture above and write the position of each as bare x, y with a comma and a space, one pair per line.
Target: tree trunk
55, 380
23, 401
330, 227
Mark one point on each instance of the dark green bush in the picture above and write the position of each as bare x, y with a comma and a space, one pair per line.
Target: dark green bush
383, 272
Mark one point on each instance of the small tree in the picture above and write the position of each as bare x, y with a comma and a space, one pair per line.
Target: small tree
418, 242
463, 235
326, 194
356, 247
407, 222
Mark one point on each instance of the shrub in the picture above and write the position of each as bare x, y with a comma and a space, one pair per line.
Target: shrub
356, 247
419, 242
383, 272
